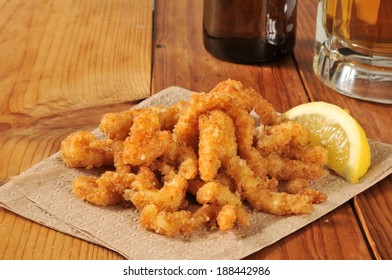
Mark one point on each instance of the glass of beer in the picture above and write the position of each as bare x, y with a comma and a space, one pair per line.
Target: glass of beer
353, 50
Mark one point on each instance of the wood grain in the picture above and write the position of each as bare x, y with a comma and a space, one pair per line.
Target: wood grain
64, 64
27, 240
58, 54
372, 206
320, 240
62, 57
180, 59
374, 212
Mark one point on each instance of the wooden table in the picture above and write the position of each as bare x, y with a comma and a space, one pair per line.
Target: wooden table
65, 63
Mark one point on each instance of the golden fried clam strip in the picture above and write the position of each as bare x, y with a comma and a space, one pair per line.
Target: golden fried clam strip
290, 140
274, 139
103, 191
117, 125
146, 179
279, 154
146, 141
194, 185
301, 186
168, 116
221, 178
248, 99
183, 158
236, 103
244, 124
287, 152
259, 195
162, 167
83, 149
226, 217
287, 169
217, 141
186, 130
170, 197
231, 204
178, 222
118, 160
258, 165
309, 154
226, 180
281, 168
208, 147
164, 222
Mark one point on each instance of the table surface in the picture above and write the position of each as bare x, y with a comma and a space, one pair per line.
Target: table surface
66, 63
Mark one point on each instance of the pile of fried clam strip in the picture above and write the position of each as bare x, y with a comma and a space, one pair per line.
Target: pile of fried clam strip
209, 152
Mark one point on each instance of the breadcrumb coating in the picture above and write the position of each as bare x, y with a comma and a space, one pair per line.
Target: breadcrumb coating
204, 163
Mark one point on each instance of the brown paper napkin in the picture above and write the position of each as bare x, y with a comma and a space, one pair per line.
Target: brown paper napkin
43, 194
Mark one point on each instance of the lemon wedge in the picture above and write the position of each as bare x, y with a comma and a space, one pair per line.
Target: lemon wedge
335, 129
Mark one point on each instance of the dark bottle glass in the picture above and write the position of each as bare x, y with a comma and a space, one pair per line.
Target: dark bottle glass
249, 31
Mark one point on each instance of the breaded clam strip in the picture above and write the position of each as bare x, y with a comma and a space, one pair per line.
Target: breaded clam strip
117, 125
170, 197
290, 140
164, 222
259, 195
231, 204
217, 142
186, 129
309, 154
226, 217
235, 101
146, 141
301, 186
178, 222
248, 99
106, 190
289, 169
83, 149
275, 138
184, 158
287, 153
119, 164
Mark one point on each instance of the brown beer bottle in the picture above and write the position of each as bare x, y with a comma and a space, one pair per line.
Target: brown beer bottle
249, 31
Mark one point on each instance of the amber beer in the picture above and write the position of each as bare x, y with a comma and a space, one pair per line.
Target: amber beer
353, 50
249, 31
364, 25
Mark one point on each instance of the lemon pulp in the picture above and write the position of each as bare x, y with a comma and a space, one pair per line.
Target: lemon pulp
335, 129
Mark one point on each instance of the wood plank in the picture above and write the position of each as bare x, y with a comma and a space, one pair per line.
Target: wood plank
322, 240
374, 212
64, 64
181, 60
373, 206
65, 55
22, 148
65, 60
25, 240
